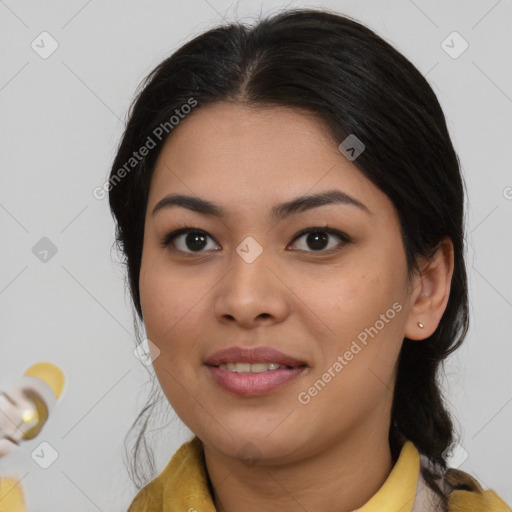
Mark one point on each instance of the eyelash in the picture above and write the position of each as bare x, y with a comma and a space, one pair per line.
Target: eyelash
345, 239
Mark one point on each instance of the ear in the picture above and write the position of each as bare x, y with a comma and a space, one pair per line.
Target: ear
431, 291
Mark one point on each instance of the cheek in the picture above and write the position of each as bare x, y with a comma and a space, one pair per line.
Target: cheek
363, 332
362, 314
173, 312
352, 299
172, 305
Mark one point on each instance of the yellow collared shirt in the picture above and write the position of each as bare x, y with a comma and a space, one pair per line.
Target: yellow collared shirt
183, 486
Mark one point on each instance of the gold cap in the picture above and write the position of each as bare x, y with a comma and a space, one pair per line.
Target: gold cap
50, 373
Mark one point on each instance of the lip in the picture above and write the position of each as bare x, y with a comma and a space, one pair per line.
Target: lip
252, 355
253, 384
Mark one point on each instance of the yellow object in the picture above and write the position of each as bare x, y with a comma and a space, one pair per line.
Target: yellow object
399, 489
50, 373
11, 491
476, 499
11, 496
183, 485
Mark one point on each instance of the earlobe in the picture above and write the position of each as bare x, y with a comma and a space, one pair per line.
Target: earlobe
431, 293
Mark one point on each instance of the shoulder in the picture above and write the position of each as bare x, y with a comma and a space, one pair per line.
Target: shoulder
461, 491
467, 494
151, 497
148, 499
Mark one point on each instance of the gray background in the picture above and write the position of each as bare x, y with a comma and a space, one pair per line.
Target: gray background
61, 120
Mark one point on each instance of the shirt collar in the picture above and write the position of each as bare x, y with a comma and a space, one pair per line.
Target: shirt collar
399, 490
184, 482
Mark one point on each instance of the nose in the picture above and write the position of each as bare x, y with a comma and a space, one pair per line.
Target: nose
252, 294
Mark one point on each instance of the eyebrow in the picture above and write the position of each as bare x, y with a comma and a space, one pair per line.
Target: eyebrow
278, 212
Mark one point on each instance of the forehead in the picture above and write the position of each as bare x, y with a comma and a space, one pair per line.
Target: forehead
251, 155
239, 133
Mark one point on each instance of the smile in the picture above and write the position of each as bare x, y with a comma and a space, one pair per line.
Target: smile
252, 367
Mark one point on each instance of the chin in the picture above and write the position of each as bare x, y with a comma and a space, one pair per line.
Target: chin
254, 446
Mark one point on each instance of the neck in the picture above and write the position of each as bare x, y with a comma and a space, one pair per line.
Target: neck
341, 477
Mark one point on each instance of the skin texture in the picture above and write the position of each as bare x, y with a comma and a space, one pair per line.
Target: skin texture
331, 453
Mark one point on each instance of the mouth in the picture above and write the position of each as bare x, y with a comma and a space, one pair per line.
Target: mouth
254, 367
255, 357
253, 371
248, 384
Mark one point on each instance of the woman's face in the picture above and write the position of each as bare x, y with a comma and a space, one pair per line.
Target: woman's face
337, 303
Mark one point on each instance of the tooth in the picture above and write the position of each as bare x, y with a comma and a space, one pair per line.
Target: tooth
260, 367
243, 367
252, 368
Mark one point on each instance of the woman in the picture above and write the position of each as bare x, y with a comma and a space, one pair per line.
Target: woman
290, 206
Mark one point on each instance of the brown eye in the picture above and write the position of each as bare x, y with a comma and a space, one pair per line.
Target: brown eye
188, 240
318, 240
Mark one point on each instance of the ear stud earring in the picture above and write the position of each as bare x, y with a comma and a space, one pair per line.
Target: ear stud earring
420, 325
